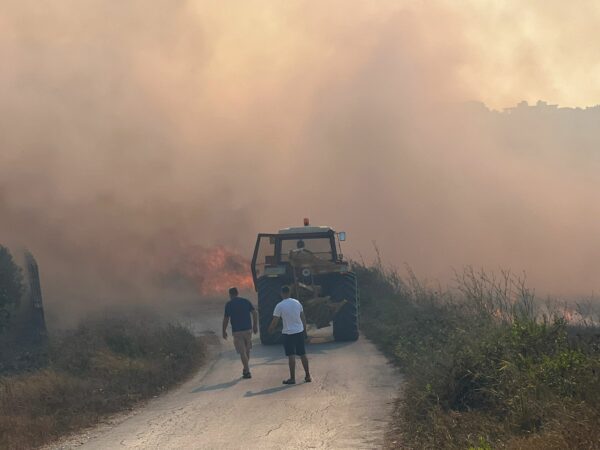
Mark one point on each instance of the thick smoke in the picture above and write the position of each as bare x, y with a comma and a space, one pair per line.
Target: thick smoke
132, 132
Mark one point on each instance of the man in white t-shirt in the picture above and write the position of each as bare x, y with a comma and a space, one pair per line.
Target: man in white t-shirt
290, 311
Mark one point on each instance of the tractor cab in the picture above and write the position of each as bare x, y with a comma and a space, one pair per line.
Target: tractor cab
272, 252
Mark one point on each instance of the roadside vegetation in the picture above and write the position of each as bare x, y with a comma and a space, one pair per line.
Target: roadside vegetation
487, 366
103, 366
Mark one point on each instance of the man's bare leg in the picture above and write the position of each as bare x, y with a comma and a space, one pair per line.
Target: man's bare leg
247, 368
245, 357
304, 360
292, 363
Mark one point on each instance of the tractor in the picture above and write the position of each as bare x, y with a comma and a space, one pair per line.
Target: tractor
308, 259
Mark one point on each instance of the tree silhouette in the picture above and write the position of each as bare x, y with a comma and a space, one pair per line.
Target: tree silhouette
11, 286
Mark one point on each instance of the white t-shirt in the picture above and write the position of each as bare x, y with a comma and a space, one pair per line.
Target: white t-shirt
289, 310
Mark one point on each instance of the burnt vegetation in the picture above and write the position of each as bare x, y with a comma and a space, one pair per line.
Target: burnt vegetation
487, 366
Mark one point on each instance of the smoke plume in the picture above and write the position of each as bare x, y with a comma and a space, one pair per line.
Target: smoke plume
135, 134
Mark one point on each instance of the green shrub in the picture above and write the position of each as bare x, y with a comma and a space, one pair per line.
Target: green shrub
484, 369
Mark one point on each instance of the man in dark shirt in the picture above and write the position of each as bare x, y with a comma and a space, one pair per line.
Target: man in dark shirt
239, 310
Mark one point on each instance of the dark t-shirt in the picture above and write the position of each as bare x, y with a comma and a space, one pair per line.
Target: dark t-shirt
238, 310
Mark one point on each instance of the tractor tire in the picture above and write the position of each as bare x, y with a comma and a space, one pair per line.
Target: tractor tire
269, 294
345, 323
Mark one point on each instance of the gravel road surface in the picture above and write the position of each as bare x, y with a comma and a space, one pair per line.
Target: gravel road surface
346, 406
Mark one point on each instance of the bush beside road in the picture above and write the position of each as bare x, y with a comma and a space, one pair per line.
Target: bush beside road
102, 367
486, 367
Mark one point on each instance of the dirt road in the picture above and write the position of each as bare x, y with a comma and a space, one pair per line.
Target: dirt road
346, 406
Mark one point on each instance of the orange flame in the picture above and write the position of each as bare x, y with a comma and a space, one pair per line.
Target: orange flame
214, 270
568, 315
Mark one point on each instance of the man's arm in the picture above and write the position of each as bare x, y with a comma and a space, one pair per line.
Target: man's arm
274, 324
225, 323
254, 321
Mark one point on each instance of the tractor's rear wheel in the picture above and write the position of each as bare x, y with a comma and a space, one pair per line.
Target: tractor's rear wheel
345, 323
269, 290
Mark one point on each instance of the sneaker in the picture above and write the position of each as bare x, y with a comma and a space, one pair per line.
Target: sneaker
246, 375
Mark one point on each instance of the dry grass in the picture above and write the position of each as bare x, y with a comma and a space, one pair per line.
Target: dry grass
486, 367
100, 368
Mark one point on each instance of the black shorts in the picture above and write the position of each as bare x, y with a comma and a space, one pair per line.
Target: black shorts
294, 344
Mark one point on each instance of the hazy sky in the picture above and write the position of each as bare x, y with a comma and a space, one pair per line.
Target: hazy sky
133, 131
530, 50
501, 51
